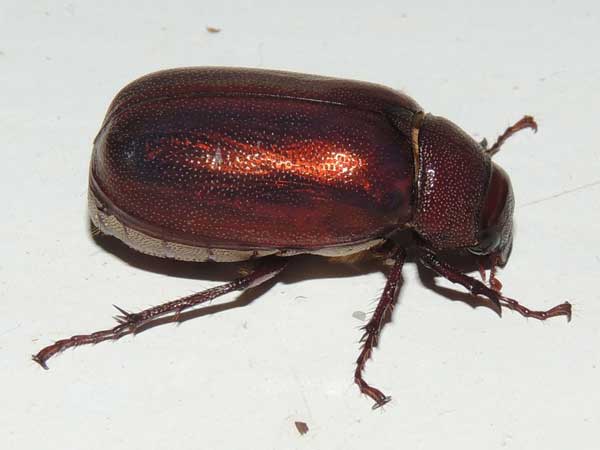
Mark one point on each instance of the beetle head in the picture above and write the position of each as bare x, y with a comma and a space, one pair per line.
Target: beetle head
495, 228
463, 199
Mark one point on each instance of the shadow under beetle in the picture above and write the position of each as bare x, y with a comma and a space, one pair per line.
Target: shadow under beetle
225, 164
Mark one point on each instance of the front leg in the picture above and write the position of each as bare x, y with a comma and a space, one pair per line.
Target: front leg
476, 287
525, 122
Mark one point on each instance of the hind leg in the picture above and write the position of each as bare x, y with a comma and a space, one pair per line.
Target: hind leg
128, 322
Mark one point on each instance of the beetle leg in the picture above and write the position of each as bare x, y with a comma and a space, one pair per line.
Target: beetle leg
525, 122
476, 287
380, 317
129, 322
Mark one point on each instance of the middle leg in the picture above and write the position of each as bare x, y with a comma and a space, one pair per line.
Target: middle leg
373, 328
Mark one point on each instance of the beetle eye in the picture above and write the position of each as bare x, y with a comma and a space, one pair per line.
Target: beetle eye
488, 241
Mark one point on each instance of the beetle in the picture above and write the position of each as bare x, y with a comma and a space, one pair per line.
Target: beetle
228, 164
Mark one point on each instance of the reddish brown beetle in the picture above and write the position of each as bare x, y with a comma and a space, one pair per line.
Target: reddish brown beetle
220, 164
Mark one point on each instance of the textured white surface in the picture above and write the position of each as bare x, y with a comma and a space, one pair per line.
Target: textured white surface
460, 378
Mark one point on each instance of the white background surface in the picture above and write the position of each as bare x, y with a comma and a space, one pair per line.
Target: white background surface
460, 378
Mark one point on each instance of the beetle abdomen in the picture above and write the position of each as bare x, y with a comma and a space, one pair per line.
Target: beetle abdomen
208, 166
